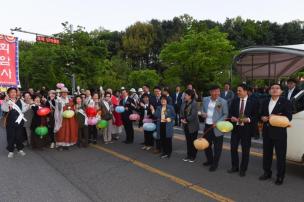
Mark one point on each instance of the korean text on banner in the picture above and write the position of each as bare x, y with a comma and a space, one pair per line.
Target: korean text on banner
9, 59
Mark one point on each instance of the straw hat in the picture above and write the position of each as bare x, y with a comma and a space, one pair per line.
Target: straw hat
64, 90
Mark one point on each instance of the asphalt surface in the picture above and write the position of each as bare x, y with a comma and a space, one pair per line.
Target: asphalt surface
120, 172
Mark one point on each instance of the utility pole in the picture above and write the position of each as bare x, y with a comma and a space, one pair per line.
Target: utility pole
19, 29
73, 84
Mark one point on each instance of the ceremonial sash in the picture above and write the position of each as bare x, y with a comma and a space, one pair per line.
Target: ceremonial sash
84, 114
17, 108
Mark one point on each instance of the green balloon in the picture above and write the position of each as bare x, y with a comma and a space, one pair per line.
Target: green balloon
102, 124
41, 131
224, 126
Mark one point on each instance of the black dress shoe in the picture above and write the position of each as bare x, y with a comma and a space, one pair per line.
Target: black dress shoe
207, 163
265, 176
242, 173
212, 168
233, 170
279, 181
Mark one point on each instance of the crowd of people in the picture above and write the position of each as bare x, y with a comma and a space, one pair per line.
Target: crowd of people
69, 123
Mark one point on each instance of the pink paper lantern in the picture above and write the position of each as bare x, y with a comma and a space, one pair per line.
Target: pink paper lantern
92, 121
147, 120
134, 117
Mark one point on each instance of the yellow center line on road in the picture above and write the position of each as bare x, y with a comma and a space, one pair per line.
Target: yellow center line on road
159, 172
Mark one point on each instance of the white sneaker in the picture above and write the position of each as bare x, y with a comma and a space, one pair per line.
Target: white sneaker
52, 145
144, 147
22, 153
10, 155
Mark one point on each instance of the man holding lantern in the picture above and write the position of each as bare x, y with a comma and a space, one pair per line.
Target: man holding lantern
214, 109
243, 114
275, 136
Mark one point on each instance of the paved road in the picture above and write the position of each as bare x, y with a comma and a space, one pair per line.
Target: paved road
119, 172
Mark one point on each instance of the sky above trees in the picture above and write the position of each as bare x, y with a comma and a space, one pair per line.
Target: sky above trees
116, 15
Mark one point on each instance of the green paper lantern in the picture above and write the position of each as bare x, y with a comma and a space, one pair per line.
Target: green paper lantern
68, 114
102, 124
41, 131
224, 126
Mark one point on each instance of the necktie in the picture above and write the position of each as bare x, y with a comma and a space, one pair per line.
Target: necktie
242, 108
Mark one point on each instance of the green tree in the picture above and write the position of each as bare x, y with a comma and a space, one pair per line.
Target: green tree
137, 44
141, 77
197, 57
38, 65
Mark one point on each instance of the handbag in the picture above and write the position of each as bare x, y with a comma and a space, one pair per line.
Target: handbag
3, 120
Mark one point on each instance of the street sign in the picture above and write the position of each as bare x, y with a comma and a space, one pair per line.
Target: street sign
46, 39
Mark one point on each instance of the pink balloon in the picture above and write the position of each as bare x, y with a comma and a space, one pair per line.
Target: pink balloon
60, 85
134, 117
92, 121
146, 120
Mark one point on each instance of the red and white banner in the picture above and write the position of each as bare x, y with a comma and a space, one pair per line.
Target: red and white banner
9, 61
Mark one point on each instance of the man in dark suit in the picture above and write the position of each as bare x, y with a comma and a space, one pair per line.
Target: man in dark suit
290, 94
155, 100
275, 137
129, 105
166, 92
227, 94
177, 102
146, 90
243, 115
292, 90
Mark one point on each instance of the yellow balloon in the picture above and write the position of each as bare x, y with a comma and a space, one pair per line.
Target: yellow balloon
224, 126
279, 121
201, 144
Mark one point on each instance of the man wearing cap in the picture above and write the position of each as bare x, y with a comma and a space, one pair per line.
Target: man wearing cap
88, 100
134, 96
140, 92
